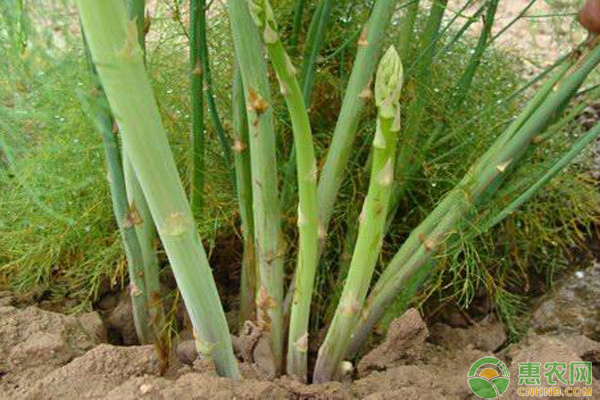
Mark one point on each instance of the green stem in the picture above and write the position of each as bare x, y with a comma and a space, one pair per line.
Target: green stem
409, 156
23, 26
208, 90
133, 252
490, 168
575, 150
574, 113
464, 85
241, 155
432, 35
415, 238
147, 237
307, 188
357, 91
269, 243
475, 17
313, 46
136, 11
145, 229
407, 29
198, 140
297, 25
372, 220
119, 60
514, 20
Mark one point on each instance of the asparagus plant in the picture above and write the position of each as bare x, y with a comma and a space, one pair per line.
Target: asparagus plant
307, 188
407, 28
133, 251
269, 244
565, 160
141, 216
388, 85
137, 234
197, 99
408, 158
118, 56
213, 112
312, 48
297, 23
249, 273
357, 92
426, 227
492, 166
141, 219
116, 53
410, 161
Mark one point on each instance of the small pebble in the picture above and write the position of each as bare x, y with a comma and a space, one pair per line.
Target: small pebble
145, 388
186, 352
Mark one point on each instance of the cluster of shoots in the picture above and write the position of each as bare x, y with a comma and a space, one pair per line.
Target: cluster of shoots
149, 195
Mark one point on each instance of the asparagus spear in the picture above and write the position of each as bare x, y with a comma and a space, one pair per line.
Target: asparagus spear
388, 86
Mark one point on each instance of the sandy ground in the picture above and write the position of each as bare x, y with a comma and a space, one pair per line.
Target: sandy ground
542, 35
46, 355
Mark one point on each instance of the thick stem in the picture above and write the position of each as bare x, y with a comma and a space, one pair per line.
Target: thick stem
118, 57
136, 11
490, 168
372, 220
133, 250
249, 274
407, 28
307, 188
144, 225
376, 305
357, 92
575, 150
147, 237
269, 244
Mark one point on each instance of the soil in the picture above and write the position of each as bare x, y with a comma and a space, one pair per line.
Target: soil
541, 36
46, 355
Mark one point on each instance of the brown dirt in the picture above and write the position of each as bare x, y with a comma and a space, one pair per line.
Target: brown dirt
405, 342
541, 36
34, 342
45, 355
